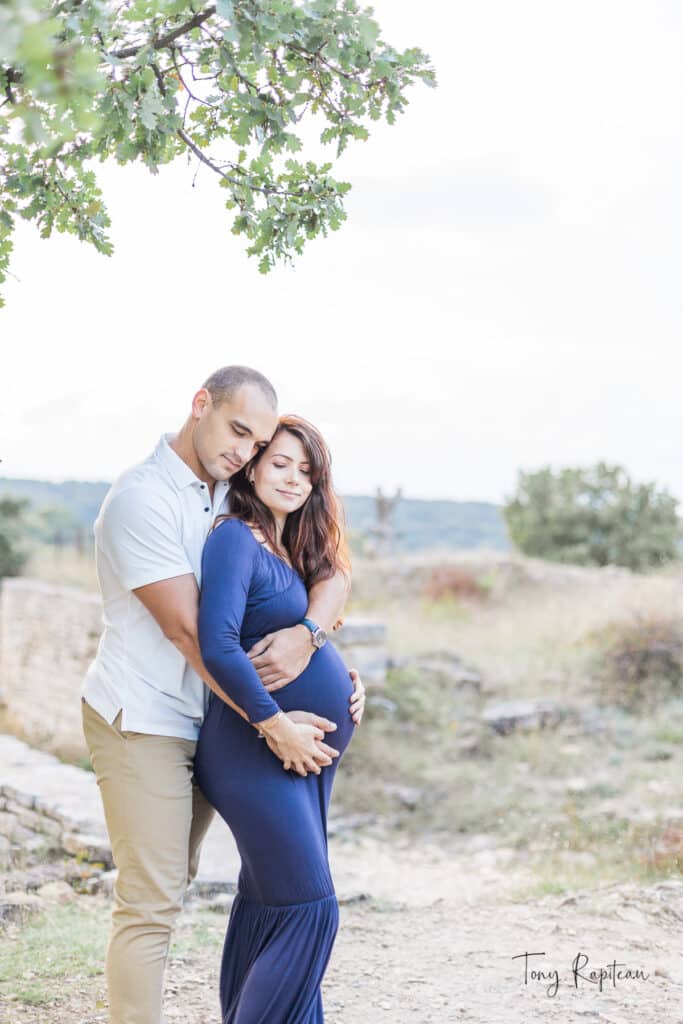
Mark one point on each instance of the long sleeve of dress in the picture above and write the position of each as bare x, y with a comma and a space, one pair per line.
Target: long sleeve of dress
227, 567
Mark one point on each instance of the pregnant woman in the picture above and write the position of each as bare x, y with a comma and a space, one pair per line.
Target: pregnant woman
281, 537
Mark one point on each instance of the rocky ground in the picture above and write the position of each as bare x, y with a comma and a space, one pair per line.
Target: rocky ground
427, 935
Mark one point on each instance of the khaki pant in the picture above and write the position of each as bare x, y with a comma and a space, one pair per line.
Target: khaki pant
156, 819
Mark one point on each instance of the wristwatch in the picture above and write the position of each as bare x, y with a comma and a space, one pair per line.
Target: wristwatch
318, 635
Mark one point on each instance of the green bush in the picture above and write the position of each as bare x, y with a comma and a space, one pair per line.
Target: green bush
12, 553
593, 516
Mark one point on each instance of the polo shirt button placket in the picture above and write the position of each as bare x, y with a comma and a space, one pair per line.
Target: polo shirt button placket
202, 487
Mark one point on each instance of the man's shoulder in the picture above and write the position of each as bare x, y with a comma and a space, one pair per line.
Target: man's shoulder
145, 485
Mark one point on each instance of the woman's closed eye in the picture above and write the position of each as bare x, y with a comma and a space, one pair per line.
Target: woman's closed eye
283, 465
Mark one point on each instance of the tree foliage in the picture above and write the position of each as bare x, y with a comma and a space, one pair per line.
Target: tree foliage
12, 553
230, 83
593, 516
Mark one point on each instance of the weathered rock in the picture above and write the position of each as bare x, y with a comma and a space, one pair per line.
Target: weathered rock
362, 644
207, 888
407, 796
12, 829
68, 796
56, 892
657, 754
220, 903
34, 820
377, 703
443, 664
39, 782
32, 878
348, 822
361, 633
346, 898
36, 844
506, 716
87, 847
106, 880
5, 852
19, 905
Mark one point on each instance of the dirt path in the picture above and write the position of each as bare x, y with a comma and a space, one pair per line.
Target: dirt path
432, 942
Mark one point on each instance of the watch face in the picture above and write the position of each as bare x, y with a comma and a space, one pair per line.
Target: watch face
319, 637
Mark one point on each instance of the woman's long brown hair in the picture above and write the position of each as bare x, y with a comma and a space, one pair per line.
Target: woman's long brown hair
313, 538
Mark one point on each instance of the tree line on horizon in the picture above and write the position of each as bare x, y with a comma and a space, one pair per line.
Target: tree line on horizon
592, 516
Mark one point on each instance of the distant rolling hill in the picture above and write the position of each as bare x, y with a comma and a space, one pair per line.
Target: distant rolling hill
419, 524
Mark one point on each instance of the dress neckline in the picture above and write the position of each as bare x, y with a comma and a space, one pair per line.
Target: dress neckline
263, 547
273, 555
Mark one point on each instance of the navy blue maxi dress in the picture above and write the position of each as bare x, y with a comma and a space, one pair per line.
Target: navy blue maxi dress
285, 914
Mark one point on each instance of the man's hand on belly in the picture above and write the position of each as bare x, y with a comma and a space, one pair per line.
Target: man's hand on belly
357, 704
280, 657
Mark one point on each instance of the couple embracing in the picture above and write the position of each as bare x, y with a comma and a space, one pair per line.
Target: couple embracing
222, 565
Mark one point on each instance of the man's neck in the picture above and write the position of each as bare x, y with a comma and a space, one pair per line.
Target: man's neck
184, 448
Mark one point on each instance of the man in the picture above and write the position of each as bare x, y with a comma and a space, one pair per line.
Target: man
144, 695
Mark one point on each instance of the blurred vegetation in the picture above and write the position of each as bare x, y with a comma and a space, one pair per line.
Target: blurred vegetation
640, 659
65, 512
593, 516
457, 582
13, 553
65, 943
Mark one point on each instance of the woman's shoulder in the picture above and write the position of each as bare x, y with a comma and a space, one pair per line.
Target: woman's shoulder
233, 532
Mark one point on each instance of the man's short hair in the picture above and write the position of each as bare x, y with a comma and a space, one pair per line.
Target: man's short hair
224, 383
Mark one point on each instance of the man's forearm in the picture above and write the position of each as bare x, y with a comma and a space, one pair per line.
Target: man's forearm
189, 648
327, 599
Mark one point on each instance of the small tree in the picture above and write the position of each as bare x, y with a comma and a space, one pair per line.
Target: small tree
593, 516
12, 554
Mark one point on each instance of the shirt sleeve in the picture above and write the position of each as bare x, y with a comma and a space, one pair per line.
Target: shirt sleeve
140, 534
228, 565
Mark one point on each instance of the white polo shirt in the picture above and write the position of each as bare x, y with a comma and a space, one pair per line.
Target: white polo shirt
152, 526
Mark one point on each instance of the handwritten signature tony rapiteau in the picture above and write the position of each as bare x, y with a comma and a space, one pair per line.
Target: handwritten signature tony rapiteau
579, 973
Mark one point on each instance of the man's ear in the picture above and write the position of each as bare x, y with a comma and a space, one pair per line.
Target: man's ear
200, 402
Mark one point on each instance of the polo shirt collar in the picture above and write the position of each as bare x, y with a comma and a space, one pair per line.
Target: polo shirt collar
179, 471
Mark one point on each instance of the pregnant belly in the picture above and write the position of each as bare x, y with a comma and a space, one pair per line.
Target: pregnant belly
324, 688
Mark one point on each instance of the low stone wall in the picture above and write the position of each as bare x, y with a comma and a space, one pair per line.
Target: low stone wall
48, 636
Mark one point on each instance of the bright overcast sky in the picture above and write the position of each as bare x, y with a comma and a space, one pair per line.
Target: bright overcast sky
506, 292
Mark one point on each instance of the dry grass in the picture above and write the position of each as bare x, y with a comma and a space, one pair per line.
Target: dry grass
533, 634
575, 806
63, 566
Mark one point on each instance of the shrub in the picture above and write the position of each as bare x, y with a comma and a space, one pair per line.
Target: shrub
12, 554
453, 581
593, 515
640, 660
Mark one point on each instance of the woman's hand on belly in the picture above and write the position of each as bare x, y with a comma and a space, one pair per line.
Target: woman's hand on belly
308, 718
297, 740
